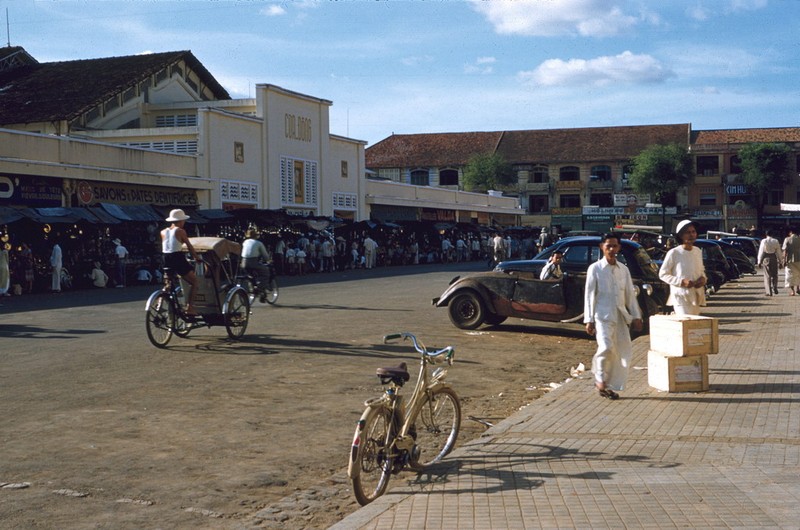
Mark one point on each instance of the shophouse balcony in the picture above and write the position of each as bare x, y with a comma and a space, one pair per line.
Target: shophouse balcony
707, 179
536, 186
563, 185
601, 184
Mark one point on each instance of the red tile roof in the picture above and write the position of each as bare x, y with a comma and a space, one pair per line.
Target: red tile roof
743, 136
430, 150
588, 144
65, 90
530, 146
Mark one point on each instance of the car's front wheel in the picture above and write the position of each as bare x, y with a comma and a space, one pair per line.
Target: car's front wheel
494, 319
466, 310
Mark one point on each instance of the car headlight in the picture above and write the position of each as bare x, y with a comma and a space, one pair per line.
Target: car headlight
648, 289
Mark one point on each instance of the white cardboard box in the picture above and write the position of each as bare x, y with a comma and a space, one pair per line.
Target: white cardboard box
682, 335
677, 374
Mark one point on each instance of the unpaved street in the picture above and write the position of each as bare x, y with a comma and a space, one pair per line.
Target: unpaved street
101, 430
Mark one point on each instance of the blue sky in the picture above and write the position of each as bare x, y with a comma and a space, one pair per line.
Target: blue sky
450, 66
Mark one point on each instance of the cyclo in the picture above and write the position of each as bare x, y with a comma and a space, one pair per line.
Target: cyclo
219, 300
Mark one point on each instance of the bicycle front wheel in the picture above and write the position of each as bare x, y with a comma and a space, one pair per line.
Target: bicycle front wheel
160, 321
272, 291
237, 314
372, 464
436, 425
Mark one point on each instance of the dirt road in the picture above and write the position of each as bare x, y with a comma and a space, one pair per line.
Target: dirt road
101, 430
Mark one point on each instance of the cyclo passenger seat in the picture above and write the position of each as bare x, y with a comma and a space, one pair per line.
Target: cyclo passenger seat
396, 374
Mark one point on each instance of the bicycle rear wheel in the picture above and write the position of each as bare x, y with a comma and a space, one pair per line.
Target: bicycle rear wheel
372, 464
437, 425
237, 313
160, 319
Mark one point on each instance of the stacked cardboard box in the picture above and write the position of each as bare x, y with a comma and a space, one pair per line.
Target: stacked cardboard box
679, 350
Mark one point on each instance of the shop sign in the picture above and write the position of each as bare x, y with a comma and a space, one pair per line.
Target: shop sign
24, 190
393, 213
565, 211
430, 214
117, 193
631, 199
705, 214
737, 189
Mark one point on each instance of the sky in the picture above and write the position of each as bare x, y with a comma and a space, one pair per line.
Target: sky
414, 66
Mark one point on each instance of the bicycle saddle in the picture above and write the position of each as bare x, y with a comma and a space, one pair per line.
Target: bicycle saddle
394, 372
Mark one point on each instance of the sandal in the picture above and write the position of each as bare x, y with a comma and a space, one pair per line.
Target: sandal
608, 393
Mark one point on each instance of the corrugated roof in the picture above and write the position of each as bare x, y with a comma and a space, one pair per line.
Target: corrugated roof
532, 146
430, 149
743, 136
65, 90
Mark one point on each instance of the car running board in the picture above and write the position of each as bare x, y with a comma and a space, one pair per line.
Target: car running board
573, 320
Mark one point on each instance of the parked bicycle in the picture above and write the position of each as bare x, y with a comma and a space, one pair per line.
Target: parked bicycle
248, 281
393, 435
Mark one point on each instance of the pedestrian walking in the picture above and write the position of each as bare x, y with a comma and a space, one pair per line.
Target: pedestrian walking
685, 273
768, 259
610, 311
791, 257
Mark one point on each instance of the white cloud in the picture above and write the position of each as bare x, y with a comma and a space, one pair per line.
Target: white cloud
589, 18
748, 5
698, 12
273, 10
697, 60
623, 68
416, 60
482, 65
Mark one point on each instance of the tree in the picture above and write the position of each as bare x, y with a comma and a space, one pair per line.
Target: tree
661, 170
764, 167
487, 171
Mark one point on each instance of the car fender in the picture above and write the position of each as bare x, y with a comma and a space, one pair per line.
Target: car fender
457, 285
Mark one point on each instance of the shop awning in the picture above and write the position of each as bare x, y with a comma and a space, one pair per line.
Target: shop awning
104, 217
132, 212
59, 215
215, 215
9, 215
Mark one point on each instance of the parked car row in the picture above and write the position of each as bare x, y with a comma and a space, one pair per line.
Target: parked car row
513, 288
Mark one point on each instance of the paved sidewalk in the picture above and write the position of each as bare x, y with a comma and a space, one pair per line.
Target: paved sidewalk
726, 458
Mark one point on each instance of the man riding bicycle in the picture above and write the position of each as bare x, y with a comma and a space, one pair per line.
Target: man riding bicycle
253, 251
172, 241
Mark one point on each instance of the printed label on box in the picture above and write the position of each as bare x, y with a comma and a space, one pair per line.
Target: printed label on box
688, 373
699, 337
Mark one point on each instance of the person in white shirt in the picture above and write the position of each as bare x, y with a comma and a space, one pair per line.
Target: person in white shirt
791, 257
768, 258
172, 240
610, 308
122, 258
370, 252
499, 248
99, 277
255, 257
685, 273
56, 262
552, 271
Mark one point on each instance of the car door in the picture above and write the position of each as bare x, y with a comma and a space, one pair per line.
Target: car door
538, 299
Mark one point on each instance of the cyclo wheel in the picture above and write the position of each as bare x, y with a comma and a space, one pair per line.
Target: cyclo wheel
272, 291
372, 464
437, 425
237, 313
160, 319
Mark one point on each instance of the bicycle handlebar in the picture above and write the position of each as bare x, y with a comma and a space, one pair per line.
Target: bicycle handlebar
448, 352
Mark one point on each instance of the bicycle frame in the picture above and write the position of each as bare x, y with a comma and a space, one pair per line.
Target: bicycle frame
399, 441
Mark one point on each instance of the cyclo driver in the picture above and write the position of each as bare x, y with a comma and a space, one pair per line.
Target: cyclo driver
172, 241
253, 251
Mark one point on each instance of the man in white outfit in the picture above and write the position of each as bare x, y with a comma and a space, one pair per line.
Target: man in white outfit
769, 257
56, 261
610, 310
685, 273
370, 248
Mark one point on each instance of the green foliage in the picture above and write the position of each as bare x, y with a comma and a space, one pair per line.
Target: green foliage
487, 172
661, 170
764, 166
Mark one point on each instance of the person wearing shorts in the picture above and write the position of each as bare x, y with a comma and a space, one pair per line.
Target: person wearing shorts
172, 241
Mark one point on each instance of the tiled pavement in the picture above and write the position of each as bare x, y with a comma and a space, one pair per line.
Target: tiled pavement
726, 458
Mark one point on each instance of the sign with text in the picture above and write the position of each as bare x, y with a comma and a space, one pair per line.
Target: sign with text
29, 191
118, 193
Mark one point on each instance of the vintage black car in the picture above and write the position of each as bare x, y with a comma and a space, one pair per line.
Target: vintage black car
513, 288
